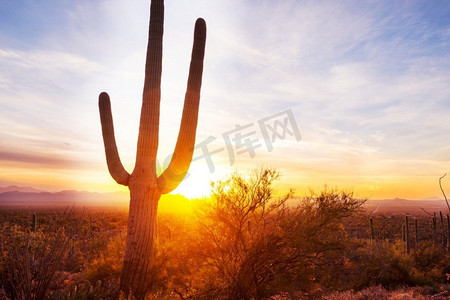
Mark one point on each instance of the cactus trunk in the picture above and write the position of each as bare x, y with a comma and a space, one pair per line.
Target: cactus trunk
141, 231
145, 186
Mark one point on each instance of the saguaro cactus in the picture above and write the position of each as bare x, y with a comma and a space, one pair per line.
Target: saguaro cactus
34, 222
144, 184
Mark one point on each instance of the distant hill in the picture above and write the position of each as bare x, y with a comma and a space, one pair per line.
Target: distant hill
404, 206
27, 197
23, 189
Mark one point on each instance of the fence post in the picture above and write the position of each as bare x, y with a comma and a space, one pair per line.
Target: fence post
444, 237
434, 227
34, 223
448, 233
416, 234
408, 246
372, 232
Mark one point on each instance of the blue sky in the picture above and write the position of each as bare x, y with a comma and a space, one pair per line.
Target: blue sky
367, 82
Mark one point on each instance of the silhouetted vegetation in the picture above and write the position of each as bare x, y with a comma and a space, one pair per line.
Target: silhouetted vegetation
244, 242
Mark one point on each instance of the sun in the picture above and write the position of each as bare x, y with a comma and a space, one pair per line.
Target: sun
197, 182
195, 185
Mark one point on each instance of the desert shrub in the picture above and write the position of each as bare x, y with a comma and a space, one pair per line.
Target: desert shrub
87, 290
314, 231
382, 264
254, 245
387, 264
173, 264
430, 263
375, 292
240, 237
109, 262
32, 261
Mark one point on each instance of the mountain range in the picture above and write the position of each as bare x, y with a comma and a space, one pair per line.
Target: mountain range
27, 196
23, 189
20, 196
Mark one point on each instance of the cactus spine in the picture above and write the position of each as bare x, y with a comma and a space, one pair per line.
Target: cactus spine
144, 185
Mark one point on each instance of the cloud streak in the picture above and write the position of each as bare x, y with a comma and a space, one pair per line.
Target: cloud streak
40, 159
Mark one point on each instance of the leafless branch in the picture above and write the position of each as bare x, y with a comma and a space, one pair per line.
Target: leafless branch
440, 185
430, 214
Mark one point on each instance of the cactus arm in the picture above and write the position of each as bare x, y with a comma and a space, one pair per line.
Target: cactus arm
115, 167
149, 123
184, 148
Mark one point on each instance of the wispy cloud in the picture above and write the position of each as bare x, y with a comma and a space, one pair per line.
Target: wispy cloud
41, 160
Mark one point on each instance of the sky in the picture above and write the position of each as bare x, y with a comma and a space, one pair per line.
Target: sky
351, 94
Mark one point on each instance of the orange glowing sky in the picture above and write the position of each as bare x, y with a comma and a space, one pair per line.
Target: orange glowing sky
367, 84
